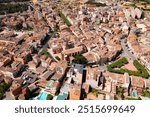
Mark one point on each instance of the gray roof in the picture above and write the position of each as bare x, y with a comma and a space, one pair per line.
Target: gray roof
47, 74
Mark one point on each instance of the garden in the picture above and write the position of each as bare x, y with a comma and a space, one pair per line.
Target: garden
116, 68
67, 22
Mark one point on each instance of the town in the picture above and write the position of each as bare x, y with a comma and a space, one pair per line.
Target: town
75, 50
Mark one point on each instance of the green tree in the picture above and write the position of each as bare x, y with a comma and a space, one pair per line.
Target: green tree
49, 97
65, 19
80, 59
3, 88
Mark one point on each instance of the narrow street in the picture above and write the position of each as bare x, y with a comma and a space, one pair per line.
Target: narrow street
127, 54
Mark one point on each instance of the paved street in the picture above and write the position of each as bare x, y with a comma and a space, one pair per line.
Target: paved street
127, 54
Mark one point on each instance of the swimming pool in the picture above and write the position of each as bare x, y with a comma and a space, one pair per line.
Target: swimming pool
144, 98
43, 96
134, 94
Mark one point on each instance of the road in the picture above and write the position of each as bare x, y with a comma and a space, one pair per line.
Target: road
48, 34
128, 54
103, 68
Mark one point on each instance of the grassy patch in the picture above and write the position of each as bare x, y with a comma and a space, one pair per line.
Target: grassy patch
131, 99
97, 4
44, 52
80, 59
119, 63
57, 58
94, 90
146, 93
120, 92
3, 88
67, 22
49, 97
142, 72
